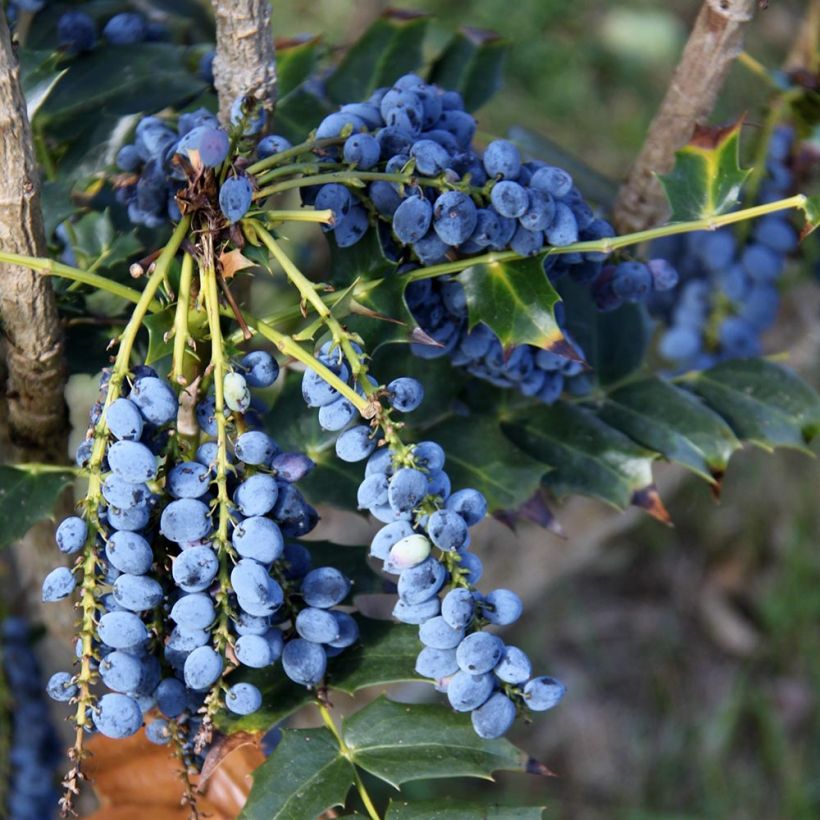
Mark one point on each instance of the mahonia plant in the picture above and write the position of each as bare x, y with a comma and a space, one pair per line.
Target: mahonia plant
194, 584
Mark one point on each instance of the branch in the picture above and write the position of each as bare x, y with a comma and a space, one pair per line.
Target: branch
245, 62
715, 41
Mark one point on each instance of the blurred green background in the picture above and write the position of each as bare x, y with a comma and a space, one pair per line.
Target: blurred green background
691, 654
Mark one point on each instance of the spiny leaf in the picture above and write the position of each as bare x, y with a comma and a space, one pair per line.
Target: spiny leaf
471, 64
673, 422
389, 48
385, 654
763, 403
159, 325
400, 742
38, 77
26, 497
305, 776
707, 176
446, 809
811, 209
516, 300
97, 244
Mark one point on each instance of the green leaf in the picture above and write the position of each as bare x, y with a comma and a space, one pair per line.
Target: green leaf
38, 77
380, 315
516, 300
811, 210
446, 809
366, 261
763, 403
298, 113
97, 245
295, 61
27, 496
385, 654
121, 81
400, 742
673, 422
707, 176
614, 341
480, 455
471, 64
304, 776
389, 48
159, 325
586, 455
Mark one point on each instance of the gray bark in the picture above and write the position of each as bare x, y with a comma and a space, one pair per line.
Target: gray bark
715, 41
245, 62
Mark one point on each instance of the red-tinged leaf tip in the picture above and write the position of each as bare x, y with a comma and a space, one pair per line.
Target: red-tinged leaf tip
649, 500
709, 137
811, 210
418, 336
480, 36
403, 14
536, 767
360, 310
717, 483
536, 510
563, 348
507, 517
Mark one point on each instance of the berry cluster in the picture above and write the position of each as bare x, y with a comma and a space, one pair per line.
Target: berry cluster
729, 296
425, 542
178, 617
34, 750
77, 31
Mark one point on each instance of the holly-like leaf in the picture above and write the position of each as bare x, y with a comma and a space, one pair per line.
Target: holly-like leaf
27, 495
587, 456
707, 176
96, 243
673, 422
516, 300
471, 64
480, 455
400, 742
386, 653
38, 77
304, 776
365, 261
389, 48
233, 261
763, 403
811, 210
160, 343
295, 61
445, 809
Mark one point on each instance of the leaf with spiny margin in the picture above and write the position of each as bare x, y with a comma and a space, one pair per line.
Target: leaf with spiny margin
26, 497
96, 243
707, 177
516, 301
763, 403
614, 341
587, 456
296, 59
662, 417
389, 48
400, 742
386, 653
479, 455
305, 776
811, 210
38, 77
380, 314
471, 64
159, 325
446, 809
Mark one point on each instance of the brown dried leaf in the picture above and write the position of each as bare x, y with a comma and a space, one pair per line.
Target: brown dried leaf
232, 262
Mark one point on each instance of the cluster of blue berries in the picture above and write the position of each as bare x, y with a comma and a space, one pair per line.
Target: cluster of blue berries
34, 748
77, 31
164, 638
728, 296
425, 542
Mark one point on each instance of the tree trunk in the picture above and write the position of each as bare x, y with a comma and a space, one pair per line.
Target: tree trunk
715, 41
245, 62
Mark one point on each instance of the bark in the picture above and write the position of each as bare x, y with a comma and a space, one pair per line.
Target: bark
715, 41
36, 366
245, 62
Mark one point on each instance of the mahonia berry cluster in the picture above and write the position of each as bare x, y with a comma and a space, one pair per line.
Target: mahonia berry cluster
728, 295
425, 542
164, 640
34, 748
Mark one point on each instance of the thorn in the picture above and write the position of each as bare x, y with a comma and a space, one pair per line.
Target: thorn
649, 500
534, 766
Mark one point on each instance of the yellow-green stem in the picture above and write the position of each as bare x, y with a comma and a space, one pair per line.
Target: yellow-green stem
304, 215
295, 151
181, 318
296, 168
327, 719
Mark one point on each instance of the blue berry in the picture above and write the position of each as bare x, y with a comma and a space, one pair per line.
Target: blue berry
235, 197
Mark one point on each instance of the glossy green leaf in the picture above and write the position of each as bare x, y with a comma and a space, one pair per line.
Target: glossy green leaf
296, 59
446, 809
304, 776
120, 82
380, 315
763, 403
160, 343
400, 742
386, 653
479, 455
811, 209
587, 456
674, 423
365, 261
26, 497
707, 177
96, 244
389, 48
472, 64
298, 113
39, 76
615, 341
516, 300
